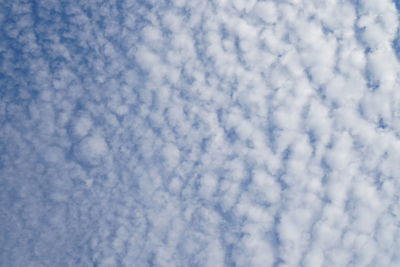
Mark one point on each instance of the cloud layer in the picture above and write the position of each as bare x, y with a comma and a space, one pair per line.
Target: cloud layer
199, 133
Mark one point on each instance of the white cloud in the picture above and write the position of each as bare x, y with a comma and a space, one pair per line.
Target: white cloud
200, 133
92, 150
83, 126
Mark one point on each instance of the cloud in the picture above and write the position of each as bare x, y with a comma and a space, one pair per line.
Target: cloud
199, 133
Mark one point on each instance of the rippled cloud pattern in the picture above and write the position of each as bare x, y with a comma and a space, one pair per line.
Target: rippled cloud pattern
199, 133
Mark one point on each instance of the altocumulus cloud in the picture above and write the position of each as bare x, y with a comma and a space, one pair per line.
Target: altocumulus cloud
199, 133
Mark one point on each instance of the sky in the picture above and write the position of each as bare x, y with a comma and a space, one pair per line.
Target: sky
178, 133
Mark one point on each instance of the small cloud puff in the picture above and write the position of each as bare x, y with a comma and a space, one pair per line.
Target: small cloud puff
92, 149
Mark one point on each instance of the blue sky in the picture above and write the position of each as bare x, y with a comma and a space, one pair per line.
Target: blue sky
199, 133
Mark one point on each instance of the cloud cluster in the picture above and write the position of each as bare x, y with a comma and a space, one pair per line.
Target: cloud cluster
199, 133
